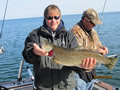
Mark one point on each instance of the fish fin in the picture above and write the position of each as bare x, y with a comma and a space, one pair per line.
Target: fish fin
80, 48
56, 60
85, 49
50, 57
98, 64
112, 63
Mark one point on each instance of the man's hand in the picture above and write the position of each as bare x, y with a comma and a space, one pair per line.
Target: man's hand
88, 63
39, 51
103, 50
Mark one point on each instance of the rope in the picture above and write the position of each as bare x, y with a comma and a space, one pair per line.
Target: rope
3, 19
102, 14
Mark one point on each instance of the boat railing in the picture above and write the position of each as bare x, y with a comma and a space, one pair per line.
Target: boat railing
19, 84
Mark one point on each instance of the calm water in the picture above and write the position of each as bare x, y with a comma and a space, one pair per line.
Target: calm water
15, 32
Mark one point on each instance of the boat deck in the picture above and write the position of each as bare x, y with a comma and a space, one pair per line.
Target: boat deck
26, 84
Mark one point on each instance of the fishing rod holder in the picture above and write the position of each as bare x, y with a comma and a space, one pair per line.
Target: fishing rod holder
30, 73
20, 71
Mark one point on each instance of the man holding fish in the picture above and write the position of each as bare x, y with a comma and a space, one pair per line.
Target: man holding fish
88, 38
48, 74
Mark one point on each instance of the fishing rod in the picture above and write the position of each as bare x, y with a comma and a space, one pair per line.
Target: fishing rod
2, 49
102, 15
3, 19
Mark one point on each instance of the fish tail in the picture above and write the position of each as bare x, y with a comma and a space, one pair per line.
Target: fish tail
112, 63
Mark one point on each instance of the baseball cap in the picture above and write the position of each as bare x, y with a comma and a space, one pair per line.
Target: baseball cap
92, 15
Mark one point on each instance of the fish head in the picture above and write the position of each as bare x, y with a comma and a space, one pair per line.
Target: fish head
47, 46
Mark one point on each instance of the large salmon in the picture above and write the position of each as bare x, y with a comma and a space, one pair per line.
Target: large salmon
74, 57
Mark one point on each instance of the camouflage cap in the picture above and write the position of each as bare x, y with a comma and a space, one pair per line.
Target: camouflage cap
92, 15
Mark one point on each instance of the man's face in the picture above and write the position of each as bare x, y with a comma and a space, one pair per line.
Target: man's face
53, 20
88, 24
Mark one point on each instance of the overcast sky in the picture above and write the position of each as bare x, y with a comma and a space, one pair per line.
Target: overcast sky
34, 8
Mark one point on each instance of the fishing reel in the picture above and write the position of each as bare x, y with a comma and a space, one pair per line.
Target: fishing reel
2, 50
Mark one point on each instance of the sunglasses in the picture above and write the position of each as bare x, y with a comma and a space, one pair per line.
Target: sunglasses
55, 17
92, 22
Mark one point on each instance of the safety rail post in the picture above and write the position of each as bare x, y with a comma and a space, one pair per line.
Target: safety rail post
20, 71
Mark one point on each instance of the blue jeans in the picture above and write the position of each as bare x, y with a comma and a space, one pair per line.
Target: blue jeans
82, 85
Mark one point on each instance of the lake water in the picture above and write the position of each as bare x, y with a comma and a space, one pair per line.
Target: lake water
15, 31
